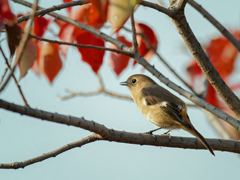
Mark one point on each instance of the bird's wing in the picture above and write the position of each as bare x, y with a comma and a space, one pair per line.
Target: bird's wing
172, 107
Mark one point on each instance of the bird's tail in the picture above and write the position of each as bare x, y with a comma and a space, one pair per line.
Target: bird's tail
194, 132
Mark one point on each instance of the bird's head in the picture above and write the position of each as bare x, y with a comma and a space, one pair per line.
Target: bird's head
136, 82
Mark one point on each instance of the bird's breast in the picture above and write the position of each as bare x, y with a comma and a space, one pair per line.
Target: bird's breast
157, 115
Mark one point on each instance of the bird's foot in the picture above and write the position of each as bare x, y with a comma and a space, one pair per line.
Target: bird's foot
149, 132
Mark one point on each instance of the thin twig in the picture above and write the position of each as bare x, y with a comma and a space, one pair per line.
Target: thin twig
4, 74
15, 80
22, 45
42, 12
157, 7
83, 45
99, 91
217, 126
216, 23
79, 143
134, 35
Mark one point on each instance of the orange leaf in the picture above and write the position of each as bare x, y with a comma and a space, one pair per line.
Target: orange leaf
119, 62
93, 57
28, 58
13, 37
50, 62
40, 26
144, 47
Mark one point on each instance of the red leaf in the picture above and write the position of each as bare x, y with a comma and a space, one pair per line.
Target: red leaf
5, 12
40, 26
93, 57
13, 37
194, 70
98, 13
50, 62
144, 47
28, 58
1, 24
223, 54
69, 8
211, 97
119, 62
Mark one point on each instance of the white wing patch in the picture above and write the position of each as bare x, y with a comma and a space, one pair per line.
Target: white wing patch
164, 103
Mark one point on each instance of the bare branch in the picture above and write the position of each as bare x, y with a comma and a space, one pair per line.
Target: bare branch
99, 91
4, 74
47, 10
217, 24
22, 45
178, 5
16, 165
134, 36
122, 136
157, 7
16, 82
217, 126
83, 45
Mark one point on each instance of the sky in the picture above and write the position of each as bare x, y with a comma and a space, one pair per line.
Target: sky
23, 137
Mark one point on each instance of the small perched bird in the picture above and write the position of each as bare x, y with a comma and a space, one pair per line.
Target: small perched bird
161, 107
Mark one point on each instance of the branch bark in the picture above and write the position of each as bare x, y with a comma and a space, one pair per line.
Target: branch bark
215, 23
122, 136
17, 165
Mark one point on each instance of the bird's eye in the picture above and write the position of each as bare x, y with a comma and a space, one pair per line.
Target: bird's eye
134, 81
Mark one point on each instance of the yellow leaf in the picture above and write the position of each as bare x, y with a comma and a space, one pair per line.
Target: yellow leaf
119, 11
28, 58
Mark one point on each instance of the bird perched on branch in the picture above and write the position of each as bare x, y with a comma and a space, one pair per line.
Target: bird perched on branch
161, 107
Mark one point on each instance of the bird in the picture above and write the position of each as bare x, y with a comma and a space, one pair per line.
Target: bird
161, 107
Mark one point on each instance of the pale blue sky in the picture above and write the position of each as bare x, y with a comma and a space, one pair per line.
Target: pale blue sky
22, 137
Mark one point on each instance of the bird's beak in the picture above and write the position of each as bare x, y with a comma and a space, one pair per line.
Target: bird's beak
124, 83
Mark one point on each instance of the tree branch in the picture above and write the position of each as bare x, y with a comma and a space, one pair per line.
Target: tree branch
15, 80
134, 35
157, 7
215, 23
16, 165
99, 91
83, 45
47, 10
122, 136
